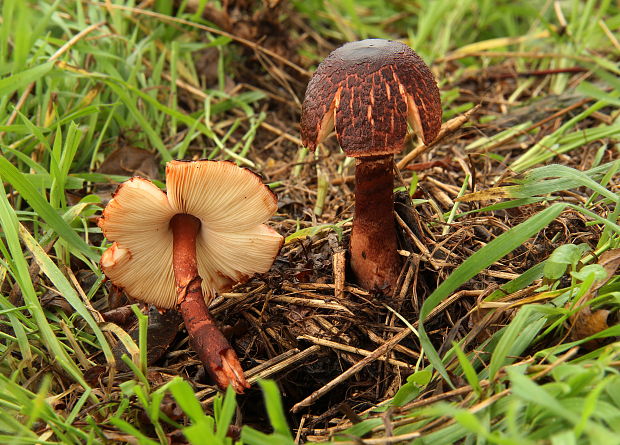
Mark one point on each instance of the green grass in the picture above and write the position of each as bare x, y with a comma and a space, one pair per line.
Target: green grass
78, 79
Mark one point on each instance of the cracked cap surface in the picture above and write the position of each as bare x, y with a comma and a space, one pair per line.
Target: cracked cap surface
368, 91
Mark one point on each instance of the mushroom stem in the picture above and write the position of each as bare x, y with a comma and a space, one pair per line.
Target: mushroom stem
374, 257
214, 351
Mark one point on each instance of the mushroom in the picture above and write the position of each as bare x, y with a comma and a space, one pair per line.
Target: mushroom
178, 249
369, 90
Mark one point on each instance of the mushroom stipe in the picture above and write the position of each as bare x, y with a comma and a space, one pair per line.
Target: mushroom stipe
209, 343
374, 256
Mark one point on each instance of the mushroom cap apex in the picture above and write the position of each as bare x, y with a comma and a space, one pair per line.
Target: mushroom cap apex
371, 50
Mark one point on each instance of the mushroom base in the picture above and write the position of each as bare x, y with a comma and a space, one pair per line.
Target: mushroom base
207, 340
214, 351
374, 257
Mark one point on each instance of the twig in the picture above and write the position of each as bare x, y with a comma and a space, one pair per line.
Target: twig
279, 132
400, 348
381, 350
609, 34
464, 390
265, 369
354, 350
448, 127
385, 440
339, 267
329, 286
311, 302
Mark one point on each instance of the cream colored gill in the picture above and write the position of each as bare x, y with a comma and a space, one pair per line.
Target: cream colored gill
225, 258
413, 114
139, 213
327, 123
413, 117
224, 196
144, 273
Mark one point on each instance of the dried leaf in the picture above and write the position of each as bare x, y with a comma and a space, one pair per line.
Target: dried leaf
486, 195
586, 323
130, 161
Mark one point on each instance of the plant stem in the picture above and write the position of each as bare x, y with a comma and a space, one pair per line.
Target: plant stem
214, 351
374, 257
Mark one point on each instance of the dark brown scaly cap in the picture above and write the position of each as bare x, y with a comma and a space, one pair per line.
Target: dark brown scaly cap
369, 90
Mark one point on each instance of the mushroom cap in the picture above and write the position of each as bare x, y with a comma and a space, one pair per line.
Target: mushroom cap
232, 204
369, 90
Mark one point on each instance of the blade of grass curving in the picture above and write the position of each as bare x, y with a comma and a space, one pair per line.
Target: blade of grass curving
544, 181
57, 351
144, 123
275, 411
62, 284
577, 178
537, 395
483, 258
516, 337
523, 280
530, 391
609, 227
501, 205
608, 223
588, 89
225, 413
37, 168
28, 323
604, 181
468, 369
129, 429
181, 117
186, 398
36, 131
12, 83
138, 373
10, 173
32, 405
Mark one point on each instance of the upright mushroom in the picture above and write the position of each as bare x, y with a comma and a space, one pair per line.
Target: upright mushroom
178, 249
368, 91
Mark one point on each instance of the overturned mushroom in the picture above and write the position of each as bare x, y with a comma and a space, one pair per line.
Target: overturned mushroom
368, 91
181, 247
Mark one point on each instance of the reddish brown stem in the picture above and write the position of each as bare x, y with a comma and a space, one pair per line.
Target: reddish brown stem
374, 257
214, 351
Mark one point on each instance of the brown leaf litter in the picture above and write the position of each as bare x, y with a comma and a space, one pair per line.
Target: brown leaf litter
334, 349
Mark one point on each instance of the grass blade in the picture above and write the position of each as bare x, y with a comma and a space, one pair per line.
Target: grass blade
483, 258
274, 408
64, 288
11, 174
